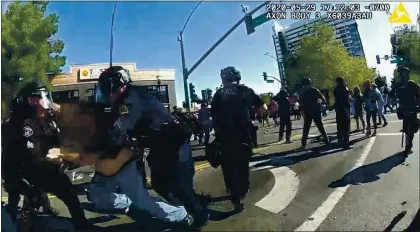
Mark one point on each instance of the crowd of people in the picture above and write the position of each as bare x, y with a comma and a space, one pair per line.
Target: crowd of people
31, 157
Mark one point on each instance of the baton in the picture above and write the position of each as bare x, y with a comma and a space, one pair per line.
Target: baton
402, 139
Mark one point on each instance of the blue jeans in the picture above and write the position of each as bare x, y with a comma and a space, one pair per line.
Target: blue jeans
176, 182
125, 192
7, 224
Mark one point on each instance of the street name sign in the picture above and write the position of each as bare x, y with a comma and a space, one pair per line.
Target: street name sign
260, 19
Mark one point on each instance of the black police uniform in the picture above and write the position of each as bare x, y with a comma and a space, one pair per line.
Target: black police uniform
254, 128
409, 100
342, 109
23, 160
312, 112
284, 114
231, 121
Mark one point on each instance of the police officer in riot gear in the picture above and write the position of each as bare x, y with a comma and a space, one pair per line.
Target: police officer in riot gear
409, 101
230, 109
309, 101
142, 121
26, 168
342, 109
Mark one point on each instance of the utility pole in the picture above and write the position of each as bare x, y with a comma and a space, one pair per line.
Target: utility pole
282, 80
184, 71
187, 72
111, 47
184, 67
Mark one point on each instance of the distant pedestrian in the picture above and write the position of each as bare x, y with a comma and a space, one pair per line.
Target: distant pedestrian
358, 108
205, 122
296, 110
284, 114
342, 109
381, 105
371, 98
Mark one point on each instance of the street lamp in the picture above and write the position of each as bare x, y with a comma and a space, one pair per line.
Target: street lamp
282, 78
184, 67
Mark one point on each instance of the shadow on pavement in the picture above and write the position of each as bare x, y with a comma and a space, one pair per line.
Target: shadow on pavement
314, 151
395, 221
369, 172
219, 199
58, 223
415, 224
308, 154
220, 216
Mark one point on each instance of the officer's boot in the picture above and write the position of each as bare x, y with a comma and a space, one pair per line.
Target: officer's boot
281, 132
408, 145
385, 122
304, 139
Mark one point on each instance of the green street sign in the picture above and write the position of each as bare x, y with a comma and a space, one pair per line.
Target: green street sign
260, 19
269, 81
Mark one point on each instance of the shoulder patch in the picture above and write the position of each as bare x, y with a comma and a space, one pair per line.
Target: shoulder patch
123, 109
27, 131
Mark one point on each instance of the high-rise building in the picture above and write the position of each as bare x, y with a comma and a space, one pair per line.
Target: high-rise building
287, 40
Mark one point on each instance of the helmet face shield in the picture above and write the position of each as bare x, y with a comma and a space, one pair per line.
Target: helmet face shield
41, 100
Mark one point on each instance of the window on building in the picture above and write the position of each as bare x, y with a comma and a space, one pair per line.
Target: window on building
159, 92
90, 94
66, 96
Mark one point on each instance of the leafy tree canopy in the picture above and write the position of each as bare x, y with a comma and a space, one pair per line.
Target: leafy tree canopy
30, 48
408, 49
323, 58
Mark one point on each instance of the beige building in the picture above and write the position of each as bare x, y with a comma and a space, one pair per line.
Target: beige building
80, 83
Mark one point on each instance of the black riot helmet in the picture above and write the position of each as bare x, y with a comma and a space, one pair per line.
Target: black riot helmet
283, 93
230, 74
306, 81
339, 81
32, 96
404, 73
112, 84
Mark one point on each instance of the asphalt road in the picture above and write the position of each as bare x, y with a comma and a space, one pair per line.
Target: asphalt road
370, 187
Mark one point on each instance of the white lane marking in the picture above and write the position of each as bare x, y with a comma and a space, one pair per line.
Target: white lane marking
285, 187
389, 134
328, 205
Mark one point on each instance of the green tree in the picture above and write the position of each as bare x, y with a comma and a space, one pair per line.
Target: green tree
408, 48
323, 58
30, 47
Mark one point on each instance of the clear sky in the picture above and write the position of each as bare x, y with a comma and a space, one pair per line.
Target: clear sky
146, 33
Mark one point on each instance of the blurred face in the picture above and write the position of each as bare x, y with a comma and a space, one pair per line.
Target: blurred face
40, 113
366, 86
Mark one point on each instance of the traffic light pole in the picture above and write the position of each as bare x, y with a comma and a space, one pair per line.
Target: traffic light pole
218, 42
184, 71
187, 72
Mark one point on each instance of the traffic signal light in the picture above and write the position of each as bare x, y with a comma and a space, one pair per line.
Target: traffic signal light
394, 40
265, 76
192, 91
378, 59
209, 94
394, 50
248, 24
